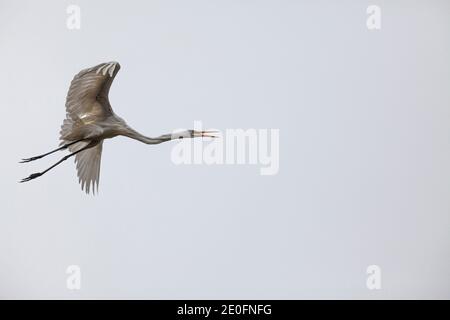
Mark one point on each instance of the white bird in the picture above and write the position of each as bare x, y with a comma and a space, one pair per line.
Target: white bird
90, 120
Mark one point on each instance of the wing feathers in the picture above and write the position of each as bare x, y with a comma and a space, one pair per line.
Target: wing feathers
87, 102
89, 87
88, 166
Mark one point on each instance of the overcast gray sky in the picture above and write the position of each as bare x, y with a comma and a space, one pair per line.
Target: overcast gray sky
364, 177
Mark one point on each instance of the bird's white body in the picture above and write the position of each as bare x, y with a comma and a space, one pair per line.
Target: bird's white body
90, 120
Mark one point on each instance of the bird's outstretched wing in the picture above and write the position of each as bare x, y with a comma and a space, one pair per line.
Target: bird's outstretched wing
87, 100
88, 87
88, 165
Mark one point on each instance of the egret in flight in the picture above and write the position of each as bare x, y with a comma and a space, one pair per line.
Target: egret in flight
90, 120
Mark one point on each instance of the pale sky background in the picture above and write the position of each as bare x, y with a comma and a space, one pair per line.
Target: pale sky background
364, 120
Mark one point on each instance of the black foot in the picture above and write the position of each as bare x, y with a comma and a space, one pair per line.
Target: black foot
30, 159
31, 177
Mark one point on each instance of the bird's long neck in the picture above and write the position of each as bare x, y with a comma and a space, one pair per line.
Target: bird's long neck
133, 134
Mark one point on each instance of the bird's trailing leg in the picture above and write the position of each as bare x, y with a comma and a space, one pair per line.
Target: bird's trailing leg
46, 154
38, 174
